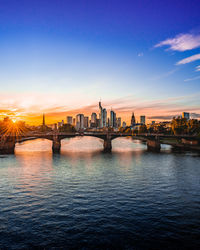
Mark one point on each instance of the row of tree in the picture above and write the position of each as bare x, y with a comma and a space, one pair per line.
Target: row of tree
179, 126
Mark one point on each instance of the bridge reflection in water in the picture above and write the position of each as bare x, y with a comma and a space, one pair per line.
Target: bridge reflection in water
153, 141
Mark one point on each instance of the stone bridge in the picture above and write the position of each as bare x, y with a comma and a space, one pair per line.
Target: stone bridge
153, 141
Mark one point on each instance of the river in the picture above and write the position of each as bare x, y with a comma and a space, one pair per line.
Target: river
87, 199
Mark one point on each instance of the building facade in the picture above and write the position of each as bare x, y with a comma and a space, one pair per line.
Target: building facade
142, 119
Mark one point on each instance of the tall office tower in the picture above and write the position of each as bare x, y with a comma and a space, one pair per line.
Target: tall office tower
74, 122
133, 120
124, 124
186, 115
119, 121
100, 115
62, 122
113, 121
80, 121
69, 120
108, 122
86, 121
93, 123
104, 118
142, 119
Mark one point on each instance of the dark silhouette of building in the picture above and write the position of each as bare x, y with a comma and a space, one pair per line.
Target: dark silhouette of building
133, 120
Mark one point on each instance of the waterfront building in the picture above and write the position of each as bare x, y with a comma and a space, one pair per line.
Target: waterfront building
113, 123
69, 120
86, 121
124, 124
80, 121
102, 116
119, 122
186, 115
142, 119
74, 122
59, 124
133, 120
94, 117
93, 123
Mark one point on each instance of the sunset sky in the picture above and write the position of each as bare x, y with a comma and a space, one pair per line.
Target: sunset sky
60, 57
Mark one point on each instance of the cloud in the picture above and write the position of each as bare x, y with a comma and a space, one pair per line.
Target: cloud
189, 59
192, 79
140, 54
161, 117
194, 115
181, 42
166, 74
198, 68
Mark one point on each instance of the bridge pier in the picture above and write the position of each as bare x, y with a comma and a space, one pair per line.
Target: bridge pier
107, 146
7, 145
153, 145
56, 145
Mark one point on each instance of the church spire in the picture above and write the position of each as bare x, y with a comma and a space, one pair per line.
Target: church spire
43, 123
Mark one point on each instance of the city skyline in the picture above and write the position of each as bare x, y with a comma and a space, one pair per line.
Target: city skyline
60, 59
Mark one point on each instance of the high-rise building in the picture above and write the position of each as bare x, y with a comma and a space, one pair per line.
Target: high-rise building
186, 115
80, 121
69, 120
93, 123
142, 119
74, 122
102, 116
113, 122
124, 124
119, 121
86, 121
133, 120
93, 117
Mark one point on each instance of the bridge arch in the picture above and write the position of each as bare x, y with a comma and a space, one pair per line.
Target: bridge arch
34, 144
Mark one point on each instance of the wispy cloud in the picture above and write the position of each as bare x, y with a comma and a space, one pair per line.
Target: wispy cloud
192, 79
189, 59
181, 42
198, 68
161, 117
164, 75
140, 54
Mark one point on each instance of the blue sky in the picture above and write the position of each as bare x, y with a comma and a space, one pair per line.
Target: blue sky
61, 57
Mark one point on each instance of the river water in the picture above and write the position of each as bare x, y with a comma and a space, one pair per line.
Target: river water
86, 199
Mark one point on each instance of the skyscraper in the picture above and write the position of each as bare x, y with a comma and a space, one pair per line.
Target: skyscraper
93, 123
119, 121
80, 121
69, 120
142, 119
102, 116
86, 121
133, 120
113, 122
186, 115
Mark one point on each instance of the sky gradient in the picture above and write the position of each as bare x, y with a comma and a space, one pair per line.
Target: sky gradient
60, 57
